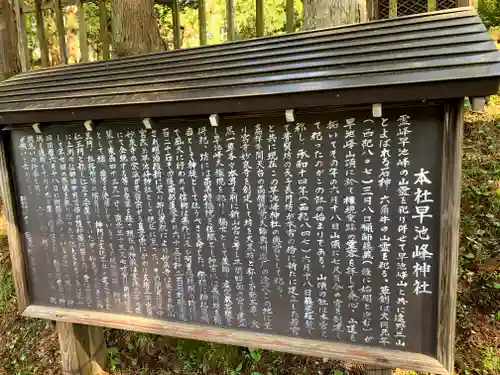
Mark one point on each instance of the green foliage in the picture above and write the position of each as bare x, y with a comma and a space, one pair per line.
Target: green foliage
94, 29
274, 17
478, 303
491, 361
489, 10
114, 360
6, 288
255, 355
237, 370
244, 19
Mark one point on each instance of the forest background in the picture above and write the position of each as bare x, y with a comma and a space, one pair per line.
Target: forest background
29, 346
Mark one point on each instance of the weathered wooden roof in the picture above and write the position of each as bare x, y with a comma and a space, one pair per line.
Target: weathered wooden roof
432, 56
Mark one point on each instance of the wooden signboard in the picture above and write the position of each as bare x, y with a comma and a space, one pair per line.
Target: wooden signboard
334, 235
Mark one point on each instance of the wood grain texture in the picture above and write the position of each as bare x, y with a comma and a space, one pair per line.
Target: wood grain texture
230, 20
345, 352
449, 232
290, 16
176, 22
202, 17
61, 33
135, 28
103, 29
13, 233
40, 31
318, 14
375, 370
82, 31
22, 36
373, 9
467, 3
83, 350
259, 17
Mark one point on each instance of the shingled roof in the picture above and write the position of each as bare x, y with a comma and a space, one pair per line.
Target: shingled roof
431, 56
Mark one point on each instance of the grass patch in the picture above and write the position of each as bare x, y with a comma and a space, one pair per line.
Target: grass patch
6, 288
478, 308
6, 281
138, 353
491, 360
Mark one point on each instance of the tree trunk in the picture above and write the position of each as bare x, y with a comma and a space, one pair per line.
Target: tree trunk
135, 30
9, 58
327, 13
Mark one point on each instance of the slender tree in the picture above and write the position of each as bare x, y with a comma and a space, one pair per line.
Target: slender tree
134, 27
9, 57
319, 14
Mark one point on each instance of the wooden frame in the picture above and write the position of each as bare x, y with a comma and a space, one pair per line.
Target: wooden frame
382, 358
449, 232
13, 232
83, 349
344, 352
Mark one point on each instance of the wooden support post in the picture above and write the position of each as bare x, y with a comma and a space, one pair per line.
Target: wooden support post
449, 232
40, 30
82, 31
22, 36
376, 370
61, 32
176, 23
83, 349
393, 8
230, 20
478, 104
13, 232
24, 29
373, 10
259, 17
467, 3
202, 18
290, 16
431, 5
103, 23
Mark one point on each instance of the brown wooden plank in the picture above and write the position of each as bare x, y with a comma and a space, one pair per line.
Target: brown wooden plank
467, 3
449, 232
61, 32
103, 24
290, 16
176, 22
83, 349
259, 17
22, 36
231, 35
373, 10
82, 31
24, 29
40, 30
324, 349
13, 232
377, 370
202, 18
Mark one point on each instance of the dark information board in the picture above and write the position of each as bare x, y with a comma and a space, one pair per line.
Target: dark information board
325, 228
